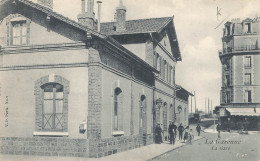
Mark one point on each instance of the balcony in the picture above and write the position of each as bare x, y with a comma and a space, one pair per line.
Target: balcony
240, 48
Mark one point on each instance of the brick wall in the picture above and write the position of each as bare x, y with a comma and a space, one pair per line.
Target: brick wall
44, 146
104, 147
94, 92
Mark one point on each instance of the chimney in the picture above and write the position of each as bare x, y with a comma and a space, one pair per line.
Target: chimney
46, 3
99, 14
120, 17
87, 18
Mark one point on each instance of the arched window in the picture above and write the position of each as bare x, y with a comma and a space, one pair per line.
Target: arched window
158, 63
165, 116
178, 116
170, 74
51, 94
171, 117
117, 116
53, 106
142, 114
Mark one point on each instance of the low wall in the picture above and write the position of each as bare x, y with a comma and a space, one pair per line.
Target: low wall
54, 146
44, 146
104, 147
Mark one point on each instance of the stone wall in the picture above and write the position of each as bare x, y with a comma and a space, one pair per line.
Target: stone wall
44, 146
104, 147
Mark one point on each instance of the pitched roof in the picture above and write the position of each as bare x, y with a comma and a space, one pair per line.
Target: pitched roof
141, 26
60, 17
57, 16
137, 26
179, 87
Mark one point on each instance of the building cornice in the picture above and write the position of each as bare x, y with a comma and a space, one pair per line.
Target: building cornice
44, 66
251, 52
162, 92
42, 48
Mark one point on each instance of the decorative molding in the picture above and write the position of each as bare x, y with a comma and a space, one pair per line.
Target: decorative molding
43, 48
44, 66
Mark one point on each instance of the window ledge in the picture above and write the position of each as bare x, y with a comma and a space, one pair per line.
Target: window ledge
41, 133
118, 133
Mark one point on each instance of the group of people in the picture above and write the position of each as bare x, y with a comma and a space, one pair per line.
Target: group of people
172, 130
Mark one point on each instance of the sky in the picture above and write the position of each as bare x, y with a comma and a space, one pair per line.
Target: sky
195, 22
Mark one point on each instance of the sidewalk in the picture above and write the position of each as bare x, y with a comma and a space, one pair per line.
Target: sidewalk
139, 154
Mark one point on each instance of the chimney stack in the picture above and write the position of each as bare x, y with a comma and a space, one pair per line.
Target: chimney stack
99, 14
88, 18
46, 3
120, 17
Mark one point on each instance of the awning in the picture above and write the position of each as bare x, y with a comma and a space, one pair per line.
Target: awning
244, 111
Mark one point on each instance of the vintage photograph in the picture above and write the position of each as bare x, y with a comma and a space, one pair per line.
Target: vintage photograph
130, 80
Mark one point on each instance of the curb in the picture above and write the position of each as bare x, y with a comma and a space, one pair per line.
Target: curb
172, 150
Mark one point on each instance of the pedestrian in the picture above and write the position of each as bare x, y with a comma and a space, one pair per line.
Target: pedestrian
180, 129
158, 134
198, 128
175, 130
190, 137
171, 133
218, 129
186, 132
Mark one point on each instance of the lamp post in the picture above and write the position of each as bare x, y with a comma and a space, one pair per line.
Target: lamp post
158, 104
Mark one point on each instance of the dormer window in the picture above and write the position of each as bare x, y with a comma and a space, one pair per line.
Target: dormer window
18, 30
18, 33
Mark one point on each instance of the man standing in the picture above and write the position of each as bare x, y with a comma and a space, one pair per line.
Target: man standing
180, 129
198, 128
218, 129
171, 132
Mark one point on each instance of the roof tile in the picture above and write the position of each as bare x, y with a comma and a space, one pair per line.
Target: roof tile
136, 26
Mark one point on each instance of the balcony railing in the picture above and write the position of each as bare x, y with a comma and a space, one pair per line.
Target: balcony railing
241, 48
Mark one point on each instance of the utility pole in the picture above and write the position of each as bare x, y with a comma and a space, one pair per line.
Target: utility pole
205, 105
191, 103
211, 107
196, 110
208, 105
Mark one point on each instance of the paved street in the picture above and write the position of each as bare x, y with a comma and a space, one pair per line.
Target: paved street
231, 147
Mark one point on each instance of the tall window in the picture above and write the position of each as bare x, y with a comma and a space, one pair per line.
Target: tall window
248, 79
247, 62
248, 27
158, 63
227, 80
142, 115
228, 96
162, 68
117, 108
53, 107
248, 98
170, 74
165, 116
19, 33
228, 30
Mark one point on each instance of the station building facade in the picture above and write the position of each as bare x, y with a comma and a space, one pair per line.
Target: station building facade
84, 89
